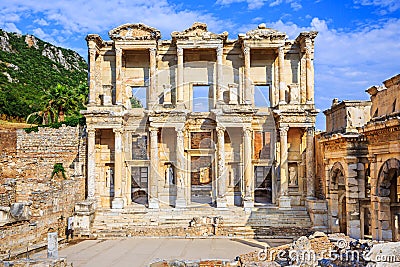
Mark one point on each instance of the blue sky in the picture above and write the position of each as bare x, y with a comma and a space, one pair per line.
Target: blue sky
358, 43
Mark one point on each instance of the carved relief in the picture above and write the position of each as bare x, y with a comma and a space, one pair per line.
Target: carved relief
198, 31
134, 32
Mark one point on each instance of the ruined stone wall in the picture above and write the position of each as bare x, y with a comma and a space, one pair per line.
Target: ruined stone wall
25, 174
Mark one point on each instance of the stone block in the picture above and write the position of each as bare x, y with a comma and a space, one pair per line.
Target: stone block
284, 203
383, 216
386, 235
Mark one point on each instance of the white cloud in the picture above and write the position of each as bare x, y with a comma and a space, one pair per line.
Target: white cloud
256, 4
386, 5
41, 22
90, 16
10, 27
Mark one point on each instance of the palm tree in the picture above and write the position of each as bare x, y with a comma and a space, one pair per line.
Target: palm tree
60, 101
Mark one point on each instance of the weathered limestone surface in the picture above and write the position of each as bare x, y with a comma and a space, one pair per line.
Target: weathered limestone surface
31, 201
359, 164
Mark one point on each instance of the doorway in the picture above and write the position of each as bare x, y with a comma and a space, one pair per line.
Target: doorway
201, 177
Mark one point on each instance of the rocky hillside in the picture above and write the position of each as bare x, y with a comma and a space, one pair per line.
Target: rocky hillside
29, 67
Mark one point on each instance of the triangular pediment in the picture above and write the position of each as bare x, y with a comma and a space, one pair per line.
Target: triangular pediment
136, 31
262, 32
198, 31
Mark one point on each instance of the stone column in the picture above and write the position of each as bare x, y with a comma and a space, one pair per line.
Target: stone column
154, 175
91, 164
309, 74
92, 80
248, 169
303, 78
179, 79
282, 84
118, 76
352, 198
221, 186
247, 81
118, 202
153, 70
220, 89
180, 169
284, 199
310, 163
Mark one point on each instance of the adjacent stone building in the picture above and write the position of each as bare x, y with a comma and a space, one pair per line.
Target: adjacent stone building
358, 163
200, 119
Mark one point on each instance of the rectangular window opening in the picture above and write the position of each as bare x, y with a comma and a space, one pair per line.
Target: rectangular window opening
139, 97
262, 95
201, 98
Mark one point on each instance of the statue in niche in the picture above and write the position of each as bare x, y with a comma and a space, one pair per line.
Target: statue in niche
169, 175
204, 175
110, 177
292, 176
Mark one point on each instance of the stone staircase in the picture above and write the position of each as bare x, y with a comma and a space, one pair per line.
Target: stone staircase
234, 222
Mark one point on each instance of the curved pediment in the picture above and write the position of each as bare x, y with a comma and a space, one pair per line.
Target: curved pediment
137, 31
198, 31
262, 32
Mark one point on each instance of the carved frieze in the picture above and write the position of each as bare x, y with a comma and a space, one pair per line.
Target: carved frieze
198, 31
136, 31
262, 32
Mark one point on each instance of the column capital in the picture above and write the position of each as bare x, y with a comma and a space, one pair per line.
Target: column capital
219, 50
92, 51
246, 50
179, 51
247, 131
118, 51
118, 130
220, 130
180, 130
281, 49
283, 130
153, 130
153, 51
91, 130
310, 130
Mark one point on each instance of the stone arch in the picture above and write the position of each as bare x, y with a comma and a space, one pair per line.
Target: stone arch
337, 199
388, 192
336, 176
384, 177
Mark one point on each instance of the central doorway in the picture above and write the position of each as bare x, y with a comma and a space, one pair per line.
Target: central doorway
201, 179
263, 184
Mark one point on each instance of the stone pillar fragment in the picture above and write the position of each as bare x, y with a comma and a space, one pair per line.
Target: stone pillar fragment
154, 175
220, 88
180, 169
247, 81
284, 199
153, 70
179, 80
310, 168
222, 175
118, 202
52, 245
91, 164
248, 169
282, 84
118, 76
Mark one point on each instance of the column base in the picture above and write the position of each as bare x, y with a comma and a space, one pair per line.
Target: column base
248, 204
180, 203
282, 103
153, 203
117, 203
221, 202
284, 203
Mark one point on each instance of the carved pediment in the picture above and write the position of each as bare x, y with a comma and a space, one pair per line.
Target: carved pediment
262, 32
198, 31
136, 31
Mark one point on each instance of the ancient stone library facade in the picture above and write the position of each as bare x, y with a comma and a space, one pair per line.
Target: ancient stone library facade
201, 135
200, 119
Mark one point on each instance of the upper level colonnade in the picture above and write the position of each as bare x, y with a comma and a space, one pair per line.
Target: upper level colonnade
168, 71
